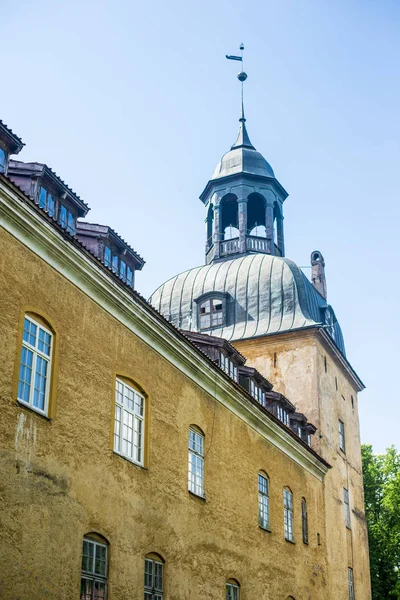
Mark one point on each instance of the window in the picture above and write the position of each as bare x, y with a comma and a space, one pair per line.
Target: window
35, 366
46, 201
94, 570
342, 444
129, 422
288, 514
71, 223
153, 579
232, 591
2, 161
196, 463
115, 263
211, 313
228, 366
107, 256
122, 270
63, 216
263, 501
283, 415
257, 393
304, 520
129, 276
351, 583
346, 507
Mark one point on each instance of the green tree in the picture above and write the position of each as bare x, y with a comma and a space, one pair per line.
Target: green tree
382, 506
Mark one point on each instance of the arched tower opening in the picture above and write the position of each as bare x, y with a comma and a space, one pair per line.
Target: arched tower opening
229, 217
256, 222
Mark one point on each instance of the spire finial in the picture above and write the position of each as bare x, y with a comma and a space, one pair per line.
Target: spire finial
242, 76
243, 139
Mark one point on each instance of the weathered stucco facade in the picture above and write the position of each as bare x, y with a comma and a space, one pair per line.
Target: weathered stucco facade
306, 365
60, 478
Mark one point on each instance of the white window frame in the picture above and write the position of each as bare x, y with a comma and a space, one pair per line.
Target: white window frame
129, 422
196, 462
346, 504
288, 514
152, 591
92, 575
232, 591
283, 415
350, 576
228, 366
304, 520
263, 501
214, 317
342, 439
36, 354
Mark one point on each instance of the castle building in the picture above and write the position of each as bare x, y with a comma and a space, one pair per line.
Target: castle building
201, 445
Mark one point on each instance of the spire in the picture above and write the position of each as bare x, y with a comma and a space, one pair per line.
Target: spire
242, 140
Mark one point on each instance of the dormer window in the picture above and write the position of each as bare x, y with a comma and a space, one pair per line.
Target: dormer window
107, 256
283, 415
47, 202
67, 219
2, 161
211, 313
228, 366
257, 393
118, 266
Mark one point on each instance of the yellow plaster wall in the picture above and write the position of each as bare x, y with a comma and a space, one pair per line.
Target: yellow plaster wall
298, 371
60, 478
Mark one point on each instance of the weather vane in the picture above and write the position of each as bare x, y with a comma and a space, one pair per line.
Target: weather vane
242, 76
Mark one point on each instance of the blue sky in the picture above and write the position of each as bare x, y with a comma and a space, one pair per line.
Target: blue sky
134, 103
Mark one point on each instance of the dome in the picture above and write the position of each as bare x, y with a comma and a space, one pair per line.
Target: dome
263, 295
243, 158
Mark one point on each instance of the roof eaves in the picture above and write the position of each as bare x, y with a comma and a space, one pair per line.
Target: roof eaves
18, 143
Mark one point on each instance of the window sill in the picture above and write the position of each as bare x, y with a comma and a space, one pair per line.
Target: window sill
264, 529
31, 408
194, 495
290, 541
129, 460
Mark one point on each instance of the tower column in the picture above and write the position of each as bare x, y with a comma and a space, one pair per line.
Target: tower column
242, 218
269, 226
217, 227
280, 234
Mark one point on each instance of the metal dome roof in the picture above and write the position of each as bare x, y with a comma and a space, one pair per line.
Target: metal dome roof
264, 295
243, 158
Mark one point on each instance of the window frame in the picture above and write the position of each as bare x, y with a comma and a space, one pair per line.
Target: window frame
350, 579
216, 317
36, 353
137, 434
228, 366
342, 438
283, 415
45, 205
346, 505
230, 587
304, 520
4, 165
92, 575
196, 459
263, 501
153, 593
288, 521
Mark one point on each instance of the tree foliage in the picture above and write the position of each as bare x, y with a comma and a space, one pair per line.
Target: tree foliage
382, 506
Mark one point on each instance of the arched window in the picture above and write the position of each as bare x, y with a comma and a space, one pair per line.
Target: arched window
94, 567
153, 577
196, 461
256, 216
211, 313
129, 422
304, 520
229, 217
288, 514
35, 364
263, 500
2, 161
232, 590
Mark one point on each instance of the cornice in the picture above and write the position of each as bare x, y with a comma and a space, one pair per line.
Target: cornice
23, 222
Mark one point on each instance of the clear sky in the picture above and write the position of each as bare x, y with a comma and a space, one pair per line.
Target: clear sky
133, 103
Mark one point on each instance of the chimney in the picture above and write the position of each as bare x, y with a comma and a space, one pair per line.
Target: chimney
318, 273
